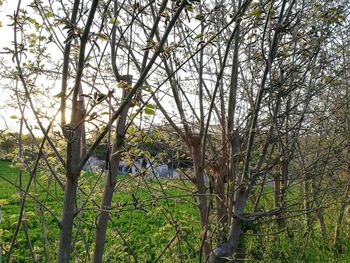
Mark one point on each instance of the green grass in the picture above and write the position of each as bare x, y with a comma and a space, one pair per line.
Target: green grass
146, 215
9, 194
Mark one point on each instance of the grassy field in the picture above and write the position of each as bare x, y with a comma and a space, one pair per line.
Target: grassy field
149, 218
147, 214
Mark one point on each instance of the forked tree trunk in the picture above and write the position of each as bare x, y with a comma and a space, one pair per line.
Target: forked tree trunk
110, 182
70, 191
73, 135
221, 253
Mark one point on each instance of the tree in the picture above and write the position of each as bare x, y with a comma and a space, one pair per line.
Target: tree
245, 85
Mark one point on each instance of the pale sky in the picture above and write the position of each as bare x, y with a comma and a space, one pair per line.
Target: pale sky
6, 33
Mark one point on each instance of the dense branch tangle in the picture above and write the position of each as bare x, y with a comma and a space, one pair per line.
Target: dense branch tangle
234, 81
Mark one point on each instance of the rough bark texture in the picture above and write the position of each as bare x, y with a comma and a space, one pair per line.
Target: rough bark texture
201, 189
221, 209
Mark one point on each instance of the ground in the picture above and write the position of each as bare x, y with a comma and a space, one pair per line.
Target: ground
151, 220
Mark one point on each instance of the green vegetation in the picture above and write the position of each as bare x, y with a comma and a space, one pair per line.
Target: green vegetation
248, 99
143, 223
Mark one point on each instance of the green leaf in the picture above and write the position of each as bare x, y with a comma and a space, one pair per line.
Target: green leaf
200, 17
165, 14
148, 140
135, 139
147, 88
3, 202
199, 36
149, 111
32, 20
102, 36
131, 130
150, 106
256, 12
147, 154
189, 8
59, 95
13, 117
114, 21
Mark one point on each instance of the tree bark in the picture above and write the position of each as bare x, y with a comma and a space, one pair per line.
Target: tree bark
221, 210
221, 253
280, 185
307, 201
201, 189
340, 218
110, 182
73, 172
69, 211
319, 212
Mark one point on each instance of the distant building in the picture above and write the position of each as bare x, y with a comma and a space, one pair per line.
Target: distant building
139, 165
94, 165
152, 170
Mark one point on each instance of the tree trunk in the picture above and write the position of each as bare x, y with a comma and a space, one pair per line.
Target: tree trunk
201, 189
343, 206
69, 211
73, 172
110, 182
101, 227
319, 213
338, 227
281, 180
235, 154
227, 250
221, 210
277, 190
307, 201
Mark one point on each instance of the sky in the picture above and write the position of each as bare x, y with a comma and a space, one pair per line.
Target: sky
6, 34
7, 113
